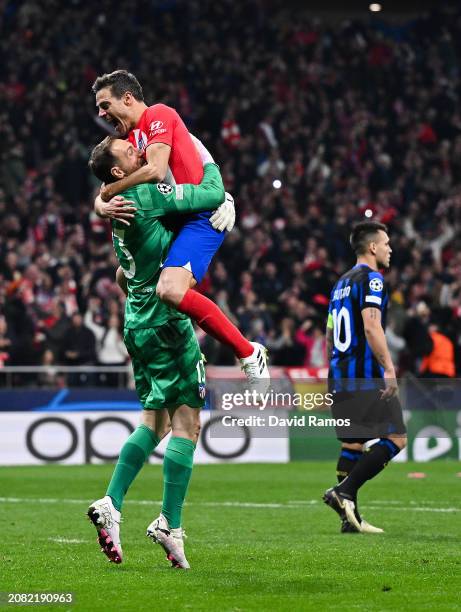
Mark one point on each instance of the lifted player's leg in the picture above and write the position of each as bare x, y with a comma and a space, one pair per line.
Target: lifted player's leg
166, 530
175, 288
105, 513
185, 266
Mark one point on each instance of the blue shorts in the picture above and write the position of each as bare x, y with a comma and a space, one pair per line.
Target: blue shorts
195, 245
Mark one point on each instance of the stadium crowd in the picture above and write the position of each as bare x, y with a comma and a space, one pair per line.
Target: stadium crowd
315, 126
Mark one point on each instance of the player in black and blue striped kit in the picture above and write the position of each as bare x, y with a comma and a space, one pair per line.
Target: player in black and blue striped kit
362, 375
352, 357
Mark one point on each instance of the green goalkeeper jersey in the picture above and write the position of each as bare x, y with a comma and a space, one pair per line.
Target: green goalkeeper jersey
143, 246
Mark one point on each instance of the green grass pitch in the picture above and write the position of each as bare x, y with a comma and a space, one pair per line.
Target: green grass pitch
259, 539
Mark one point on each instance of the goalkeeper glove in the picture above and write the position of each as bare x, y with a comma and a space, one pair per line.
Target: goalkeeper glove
223, 217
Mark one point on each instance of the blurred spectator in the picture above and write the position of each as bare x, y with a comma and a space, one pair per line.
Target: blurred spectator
79, 343
110, 348
51, 377
284, 349
55, 328
5, 342
254, 320
395, 342
20, 328
416, 334
440, 363
312, 337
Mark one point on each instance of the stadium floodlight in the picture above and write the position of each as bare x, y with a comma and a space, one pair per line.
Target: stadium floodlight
276, 184
375, 7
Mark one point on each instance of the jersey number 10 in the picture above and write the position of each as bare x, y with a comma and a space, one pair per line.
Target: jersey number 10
342, 329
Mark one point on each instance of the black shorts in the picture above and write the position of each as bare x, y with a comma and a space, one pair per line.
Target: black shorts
363, 416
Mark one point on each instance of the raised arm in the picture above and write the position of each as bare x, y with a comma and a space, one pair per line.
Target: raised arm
157, 157
166, 199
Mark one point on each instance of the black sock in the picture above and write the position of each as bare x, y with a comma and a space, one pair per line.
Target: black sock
373, 461
347, 461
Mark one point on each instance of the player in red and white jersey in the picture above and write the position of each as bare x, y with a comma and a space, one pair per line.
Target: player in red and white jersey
161, 124
172, 156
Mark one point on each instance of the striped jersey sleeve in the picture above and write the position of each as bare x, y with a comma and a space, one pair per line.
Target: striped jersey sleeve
372, 291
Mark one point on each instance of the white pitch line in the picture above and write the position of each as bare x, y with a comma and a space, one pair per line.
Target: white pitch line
377, 505
41, 500
412, 508
231, 504
390, 502
67, 541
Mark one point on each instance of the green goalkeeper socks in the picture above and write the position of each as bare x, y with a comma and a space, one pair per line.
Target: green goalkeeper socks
132, 457
177, 470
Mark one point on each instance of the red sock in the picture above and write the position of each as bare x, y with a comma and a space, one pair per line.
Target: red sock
214, 322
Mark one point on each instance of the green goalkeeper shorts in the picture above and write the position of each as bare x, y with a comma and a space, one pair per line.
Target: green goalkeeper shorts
168, 365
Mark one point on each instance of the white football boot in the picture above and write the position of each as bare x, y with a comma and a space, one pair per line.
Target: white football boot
343, 506
106, 519
349, 509
255, 366
171, 540
367, 528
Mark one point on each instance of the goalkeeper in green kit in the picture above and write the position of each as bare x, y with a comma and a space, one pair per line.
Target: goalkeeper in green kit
167, 362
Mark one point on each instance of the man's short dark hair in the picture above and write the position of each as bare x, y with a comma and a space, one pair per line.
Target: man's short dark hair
119, 81
102, 160
364, 233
